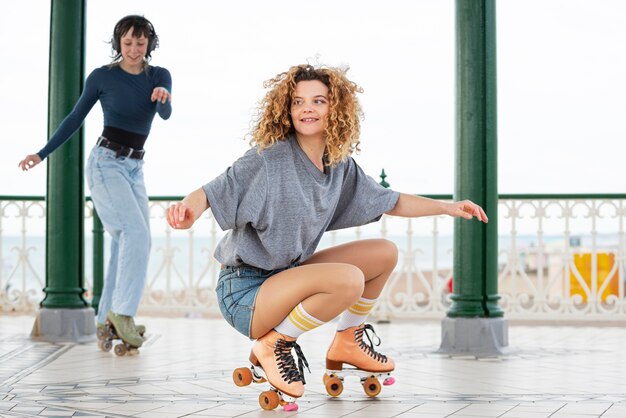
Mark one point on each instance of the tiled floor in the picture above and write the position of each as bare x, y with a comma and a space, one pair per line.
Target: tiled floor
185, 371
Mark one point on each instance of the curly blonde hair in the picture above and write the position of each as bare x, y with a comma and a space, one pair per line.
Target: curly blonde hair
342, 131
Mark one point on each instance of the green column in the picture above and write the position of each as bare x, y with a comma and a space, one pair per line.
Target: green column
65, 197
98, 260
475, 244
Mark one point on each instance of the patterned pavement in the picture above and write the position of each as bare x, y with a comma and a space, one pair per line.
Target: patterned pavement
185, 368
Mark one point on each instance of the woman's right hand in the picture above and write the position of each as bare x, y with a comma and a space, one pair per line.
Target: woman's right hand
180, 216
29, 162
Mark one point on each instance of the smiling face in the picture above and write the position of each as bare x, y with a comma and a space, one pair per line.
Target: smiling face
309, 108
133, 49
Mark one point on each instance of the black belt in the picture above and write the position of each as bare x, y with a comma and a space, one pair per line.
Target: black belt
121, 150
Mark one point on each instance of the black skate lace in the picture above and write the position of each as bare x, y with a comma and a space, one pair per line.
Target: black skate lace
286, 363
369, 349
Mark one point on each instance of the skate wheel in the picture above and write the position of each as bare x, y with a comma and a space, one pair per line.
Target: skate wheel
105, 345
371, 386
101, 334
290, 406
269, 400
120, 350
328, 376
333, 385
389, 381
242, 376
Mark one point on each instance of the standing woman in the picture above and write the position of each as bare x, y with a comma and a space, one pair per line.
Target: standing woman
277, 201
130, 92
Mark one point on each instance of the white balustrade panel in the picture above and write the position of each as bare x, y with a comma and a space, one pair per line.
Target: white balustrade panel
558, 259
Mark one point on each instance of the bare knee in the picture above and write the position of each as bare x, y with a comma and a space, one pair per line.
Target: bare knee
388, 253
350, 283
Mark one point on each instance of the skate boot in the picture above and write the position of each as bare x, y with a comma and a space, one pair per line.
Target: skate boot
272, 361
350, 355
101, 330
123, 327
106, 336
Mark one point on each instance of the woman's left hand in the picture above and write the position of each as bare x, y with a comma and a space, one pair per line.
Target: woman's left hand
160, 94
466, 209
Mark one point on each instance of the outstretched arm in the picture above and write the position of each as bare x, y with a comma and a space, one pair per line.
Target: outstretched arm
70, 124
183, 214
413, 206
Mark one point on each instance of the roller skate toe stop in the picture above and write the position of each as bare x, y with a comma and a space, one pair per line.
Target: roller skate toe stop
290, 407
389, 381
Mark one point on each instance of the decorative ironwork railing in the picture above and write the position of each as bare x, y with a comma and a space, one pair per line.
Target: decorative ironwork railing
560, 257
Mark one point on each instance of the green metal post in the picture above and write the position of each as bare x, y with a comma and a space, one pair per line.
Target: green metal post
98, 260
475, 244
65, 197
383, 182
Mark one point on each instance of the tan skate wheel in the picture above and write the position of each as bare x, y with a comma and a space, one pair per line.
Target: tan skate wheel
334, 385
371, 386
101, 333
120, 350
242, 376
269, 400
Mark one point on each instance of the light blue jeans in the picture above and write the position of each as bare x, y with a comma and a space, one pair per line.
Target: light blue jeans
119, 196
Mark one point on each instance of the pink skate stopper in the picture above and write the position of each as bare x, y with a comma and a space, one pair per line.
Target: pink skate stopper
290, 407
389, 381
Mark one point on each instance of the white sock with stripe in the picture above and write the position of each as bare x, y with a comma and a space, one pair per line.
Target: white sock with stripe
356, 314
298, 322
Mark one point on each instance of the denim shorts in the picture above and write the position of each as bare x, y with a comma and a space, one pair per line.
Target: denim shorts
237, 289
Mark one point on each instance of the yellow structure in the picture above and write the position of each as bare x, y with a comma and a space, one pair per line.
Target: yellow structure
605, 263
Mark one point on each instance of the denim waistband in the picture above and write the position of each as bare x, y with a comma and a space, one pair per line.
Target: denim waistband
260, 270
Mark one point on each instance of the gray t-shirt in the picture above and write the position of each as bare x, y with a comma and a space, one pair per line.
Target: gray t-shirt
277, 204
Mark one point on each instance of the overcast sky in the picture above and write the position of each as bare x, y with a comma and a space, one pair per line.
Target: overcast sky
561, 86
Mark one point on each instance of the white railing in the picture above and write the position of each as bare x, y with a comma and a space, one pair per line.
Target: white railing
22, 275
559, 258
574, 265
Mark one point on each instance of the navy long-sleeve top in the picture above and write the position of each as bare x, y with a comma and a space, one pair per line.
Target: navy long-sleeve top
125, 100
